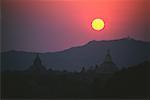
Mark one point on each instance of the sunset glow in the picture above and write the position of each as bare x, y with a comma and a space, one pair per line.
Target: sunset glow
54, 25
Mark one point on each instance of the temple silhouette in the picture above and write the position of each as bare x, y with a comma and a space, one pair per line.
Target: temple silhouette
37, 65
102, 81
108, 66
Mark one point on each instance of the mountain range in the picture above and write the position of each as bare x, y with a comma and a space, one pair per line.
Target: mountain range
125, 52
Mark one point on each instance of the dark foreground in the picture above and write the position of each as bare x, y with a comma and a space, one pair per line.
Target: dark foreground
127, 83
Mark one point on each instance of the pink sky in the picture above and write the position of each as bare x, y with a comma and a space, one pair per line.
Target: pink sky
54, 25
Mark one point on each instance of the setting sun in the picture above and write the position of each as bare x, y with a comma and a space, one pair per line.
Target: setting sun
98, 24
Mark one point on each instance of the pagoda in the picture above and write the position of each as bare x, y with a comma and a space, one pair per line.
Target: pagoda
107, 66
37, 65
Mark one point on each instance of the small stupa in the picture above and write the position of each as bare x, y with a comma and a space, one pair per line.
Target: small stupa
108, 66
37, 65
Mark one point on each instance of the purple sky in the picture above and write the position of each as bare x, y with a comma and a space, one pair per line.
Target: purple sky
54, 25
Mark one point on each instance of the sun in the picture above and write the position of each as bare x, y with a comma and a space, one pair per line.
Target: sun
98, 24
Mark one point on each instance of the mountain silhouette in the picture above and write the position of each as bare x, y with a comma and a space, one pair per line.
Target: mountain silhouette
124, 52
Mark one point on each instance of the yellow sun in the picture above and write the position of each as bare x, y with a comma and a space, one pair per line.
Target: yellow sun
98, 24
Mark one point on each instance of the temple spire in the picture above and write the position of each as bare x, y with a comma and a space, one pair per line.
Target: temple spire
37, 60
37, 65
108, 57
107, 66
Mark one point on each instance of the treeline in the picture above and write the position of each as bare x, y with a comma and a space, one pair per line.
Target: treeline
127, 83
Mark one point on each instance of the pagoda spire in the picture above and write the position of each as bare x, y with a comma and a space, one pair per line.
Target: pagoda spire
37, 60
107, 66
108, 57
37, 65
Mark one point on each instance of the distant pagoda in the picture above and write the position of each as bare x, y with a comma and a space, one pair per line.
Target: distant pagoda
108, 66
37, 65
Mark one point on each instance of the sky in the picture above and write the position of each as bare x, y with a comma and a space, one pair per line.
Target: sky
55, 25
